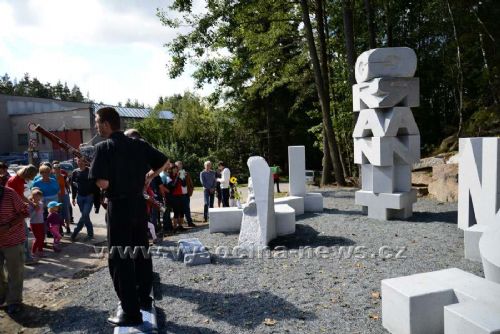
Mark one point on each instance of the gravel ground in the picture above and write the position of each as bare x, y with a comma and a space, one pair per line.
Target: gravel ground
286, 293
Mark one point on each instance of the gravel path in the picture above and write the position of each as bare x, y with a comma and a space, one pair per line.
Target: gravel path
290, 293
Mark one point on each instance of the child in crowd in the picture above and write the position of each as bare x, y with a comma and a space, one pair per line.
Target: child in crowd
55, 221
151, 204
36, 222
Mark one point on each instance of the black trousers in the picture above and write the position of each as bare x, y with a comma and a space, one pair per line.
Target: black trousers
225, 197
130, 266
277, 182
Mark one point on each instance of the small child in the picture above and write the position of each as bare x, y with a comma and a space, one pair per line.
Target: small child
36, 222
151, 204
55, 221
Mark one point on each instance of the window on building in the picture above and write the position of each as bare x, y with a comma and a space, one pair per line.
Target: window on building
22, 139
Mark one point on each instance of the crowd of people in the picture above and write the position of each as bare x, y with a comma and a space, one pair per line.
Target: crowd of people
147, 193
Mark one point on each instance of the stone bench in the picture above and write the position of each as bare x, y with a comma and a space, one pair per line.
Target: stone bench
285, 219
489, 247
224, 219
296, 202
416, 304
313, 202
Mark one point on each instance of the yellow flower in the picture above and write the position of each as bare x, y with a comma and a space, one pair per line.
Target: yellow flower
233, 180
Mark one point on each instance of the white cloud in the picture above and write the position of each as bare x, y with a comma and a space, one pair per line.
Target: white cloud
111, 48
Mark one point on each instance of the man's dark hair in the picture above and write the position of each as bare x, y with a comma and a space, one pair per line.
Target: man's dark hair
222, 163
110, 115
3, 165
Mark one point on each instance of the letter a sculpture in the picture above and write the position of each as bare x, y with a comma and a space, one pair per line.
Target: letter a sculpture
386, 137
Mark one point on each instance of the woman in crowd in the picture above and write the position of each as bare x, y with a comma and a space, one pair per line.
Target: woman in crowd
174, 185
63, 197
48, 186
13, 210
17, 183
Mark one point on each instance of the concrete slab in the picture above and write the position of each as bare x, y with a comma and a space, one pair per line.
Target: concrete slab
224, 220
297, 170
415, 304
471, 318
313, 202
296, 202
285, 219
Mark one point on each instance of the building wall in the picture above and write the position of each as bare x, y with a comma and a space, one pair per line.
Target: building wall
13, 107
54, 121
5, 132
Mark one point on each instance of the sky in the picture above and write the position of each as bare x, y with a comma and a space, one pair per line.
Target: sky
112, 49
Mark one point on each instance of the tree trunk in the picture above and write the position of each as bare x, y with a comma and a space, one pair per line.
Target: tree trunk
487, 68
326, 177
460, 75
349, 38
320, 18
372, 37
323, 96
388, 23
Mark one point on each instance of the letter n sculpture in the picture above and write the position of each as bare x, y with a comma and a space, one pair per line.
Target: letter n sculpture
386, 137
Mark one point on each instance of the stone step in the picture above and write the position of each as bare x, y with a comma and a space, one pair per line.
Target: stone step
149, 325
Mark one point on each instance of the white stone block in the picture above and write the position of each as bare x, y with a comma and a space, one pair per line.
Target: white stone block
296, 202
471, 318
472, 235
415, 304
192, 252
258, 225
479, 181
297, 170
391, 122
386, 179
313, 202
387, 151
285, 219
489, 247
196, 259
386, 93
386, 206
224, 220
385, 62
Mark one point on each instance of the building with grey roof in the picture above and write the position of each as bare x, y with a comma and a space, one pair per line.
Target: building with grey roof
71, 121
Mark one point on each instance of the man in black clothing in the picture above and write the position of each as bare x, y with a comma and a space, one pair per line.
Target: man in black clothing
82, 192
122, 167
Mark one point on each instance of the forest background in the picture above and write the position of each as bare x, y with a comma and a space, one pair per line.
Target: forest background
283, 72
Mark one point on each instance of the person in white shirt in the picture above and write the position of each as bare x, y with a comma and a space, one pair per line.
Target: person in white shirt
224, 183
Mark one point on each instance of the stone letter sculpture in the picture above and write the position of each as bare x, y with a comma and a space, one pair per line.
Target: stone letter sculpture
478, 190
386, 137
479, 181
258, 225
